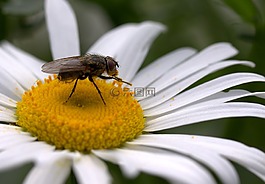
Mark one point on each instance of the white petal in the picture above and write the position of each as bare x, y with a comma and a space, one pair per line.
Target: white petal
6, 118
108, 44
9, 86
160, 66
175, 168
53, 168
209, 55
226, 97
22, 153
10, 111
128, 44
15, 69
10, 130
185, 83
12, 140
204, 90
6, 101
6, 115
30, 62
130, 171
62, 27
249, 157
222, 168
198, 114
89, 169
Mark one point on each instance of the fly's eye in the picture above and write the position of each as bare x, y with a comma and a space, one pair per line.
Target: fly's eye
111, 66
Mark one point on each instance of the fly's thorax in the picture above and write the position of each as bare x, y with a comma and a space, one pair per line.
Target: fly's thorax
95, 71
95, 65
94, 60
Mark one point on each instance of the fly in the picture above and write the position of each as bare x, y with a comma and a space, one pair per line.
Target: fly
82, 67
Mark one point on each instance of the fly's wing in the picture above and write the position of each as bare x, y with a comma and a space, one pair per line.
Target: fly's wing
69, 64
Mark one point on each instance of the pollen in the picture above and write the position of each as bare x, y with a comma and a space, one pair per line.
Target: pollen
83, 122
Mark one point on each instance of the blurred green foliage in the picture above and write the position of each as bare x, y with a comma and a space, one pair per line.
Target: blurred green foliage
195, 23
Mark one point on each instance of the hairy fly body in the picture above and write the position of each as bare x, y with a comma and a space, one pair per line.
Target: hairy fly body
82, 67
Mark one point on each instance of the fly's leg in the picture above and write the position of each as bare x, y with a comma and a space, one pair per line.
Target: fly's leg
99, 92
115, 78
73, 90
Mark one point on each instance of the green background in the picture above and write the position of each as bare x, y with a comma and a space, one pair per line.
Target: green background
194, 23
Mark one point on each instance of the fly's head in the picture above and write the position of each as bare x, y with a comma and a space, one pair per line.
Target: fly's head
111, 66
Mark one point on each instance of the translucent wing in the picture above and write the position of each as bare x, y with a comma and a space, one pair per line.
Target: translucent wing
70, 64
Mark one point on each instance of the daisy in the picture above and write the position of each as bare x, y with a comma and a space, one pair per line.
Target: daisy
37, 126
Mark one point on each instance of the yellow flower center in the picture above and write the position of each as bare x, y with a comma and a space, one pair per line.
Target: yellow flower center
84, 122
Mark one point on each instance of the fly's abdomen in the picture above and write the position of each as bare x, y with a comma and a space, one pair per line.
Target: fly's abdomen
67, 76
